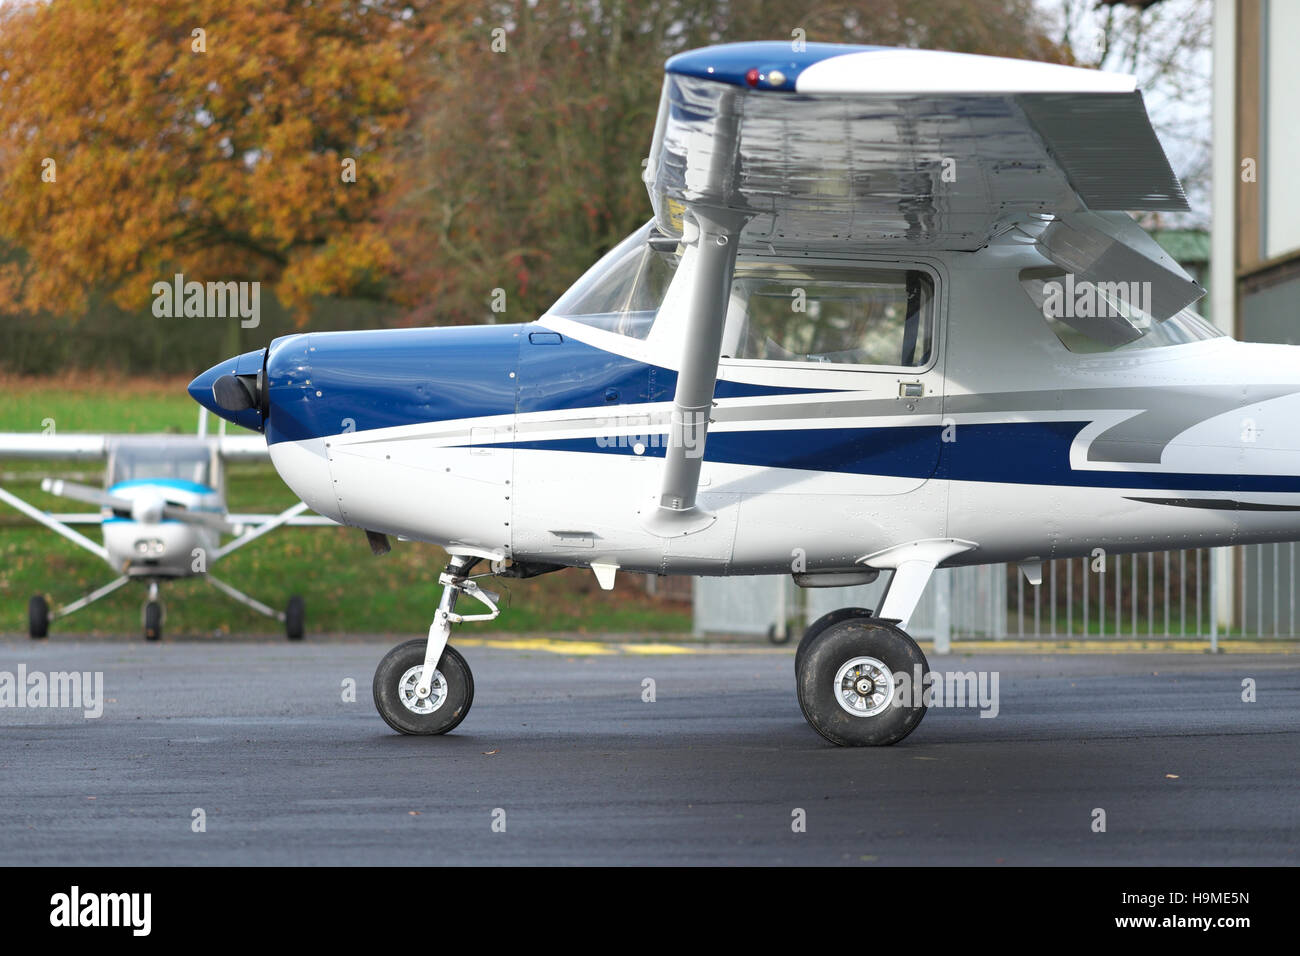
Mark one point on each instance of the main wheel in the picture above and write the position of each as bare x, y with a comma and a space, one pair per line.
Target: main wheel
823, 622
848, 683
394, 690
293, 618
153, 621
38, 617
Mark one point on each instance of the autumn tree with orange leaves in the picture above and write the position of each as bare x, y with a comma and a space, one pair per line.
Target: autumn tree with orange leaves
436, 156
245, 141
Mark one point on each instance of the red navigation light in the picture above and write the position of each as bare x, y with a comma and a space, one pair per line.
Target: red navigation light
752, 77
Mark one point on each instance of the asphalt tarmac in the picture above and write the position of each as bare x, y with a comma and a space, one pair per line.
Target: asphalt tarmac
562, 761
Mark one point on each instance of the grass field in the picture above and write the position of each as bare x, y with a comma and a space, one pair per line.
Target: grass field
345, 587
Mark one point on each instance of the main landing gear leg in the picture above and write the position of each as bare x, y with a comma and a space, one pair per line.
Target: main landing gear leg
425, 686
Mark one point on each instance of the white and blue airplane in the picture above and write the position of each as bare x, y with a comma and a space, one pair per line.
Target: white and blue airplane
161, 513
891, 313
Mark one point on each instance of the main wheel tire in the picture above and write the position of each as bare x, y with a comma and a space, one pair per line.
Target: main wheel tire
38, 617
153, 621
823, 622
293, 618
394, 690
848, 683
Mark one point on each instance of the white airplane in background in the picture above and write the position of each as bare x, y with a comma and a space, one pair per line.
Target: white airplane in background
162, 514
890, 314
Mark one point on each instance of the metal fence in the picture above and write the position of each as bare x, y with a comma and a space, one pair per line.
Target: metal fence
1192, 594
971, 602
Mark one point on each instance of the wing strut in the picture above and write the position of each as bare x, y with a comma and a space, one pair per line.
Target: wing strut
54, 524
711, 235
284, 517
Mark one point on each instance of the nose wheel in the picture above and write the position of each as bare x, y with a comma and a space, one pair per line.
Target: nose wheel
859, 681
396, 683
425, 686
152, 615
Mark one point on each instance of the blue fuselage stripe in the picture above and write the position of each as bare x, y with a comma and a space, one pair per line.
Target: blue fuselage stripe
1030, 453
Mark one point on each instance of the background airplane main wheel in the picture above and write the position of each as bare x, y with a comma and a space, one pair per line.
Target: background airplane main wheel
394, 690
848, 688
153, 621
823, 622
38, 617
293, 618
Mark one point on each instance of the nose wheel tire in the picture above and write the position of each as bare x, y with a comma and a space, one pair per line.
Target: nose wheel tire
396, 700
848, 683
153, 621
38, 617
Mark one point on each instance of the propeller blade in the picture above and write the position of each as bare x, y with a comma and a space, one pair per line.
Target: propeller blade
206, 519
93, 496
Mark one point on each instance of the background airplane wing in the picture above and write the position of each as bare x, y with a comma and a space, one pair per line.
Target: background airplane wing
842, 146
36, 445
250, 447
299, 521
41, 446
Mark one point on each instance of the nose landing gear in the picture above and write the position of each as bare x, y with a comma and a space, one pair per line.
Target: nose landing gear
425, 686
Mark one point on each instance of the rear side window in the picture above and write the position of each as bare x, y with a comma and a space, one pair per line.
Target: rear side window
1095, 316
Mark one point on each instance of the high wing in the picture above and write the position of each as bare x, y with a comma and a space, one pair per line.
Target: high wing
855, 146
42, 446
839, 150
86, 447
250, 447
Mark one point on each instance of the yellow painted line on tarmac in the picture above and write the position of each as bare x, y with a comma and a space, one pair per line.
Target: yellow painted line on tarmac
657, 649
550, 645
580, 648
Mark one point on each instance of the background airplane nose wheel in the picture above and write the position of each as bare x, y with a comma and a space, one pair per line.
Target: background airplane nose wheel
153, 620
293, 618
394, 690
38, 617
847, 683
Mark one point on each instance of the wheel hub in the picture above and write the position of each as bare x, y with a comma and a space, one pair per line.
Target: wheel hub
406, 691
864, 686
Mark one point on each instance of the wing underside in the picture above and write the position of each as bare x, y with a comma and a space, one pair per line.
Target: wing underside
945, 170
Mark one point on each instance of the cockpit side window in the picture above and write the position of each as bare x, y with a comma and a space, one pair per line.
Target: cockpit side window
877, 317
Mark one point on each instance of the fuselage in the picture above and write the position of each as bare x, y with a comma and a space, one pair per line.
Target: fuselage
146, 544
544, 441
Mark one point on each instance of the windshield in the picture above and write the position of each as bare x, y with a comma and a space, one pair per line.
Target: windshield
623, 291
165, 460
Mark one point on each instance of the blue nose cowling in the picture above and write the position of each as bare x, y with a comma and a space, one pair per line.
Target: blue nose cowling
247, 366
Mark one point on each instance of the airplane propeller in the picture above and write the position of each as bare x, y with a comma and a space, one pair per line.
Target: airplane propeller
144, 510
